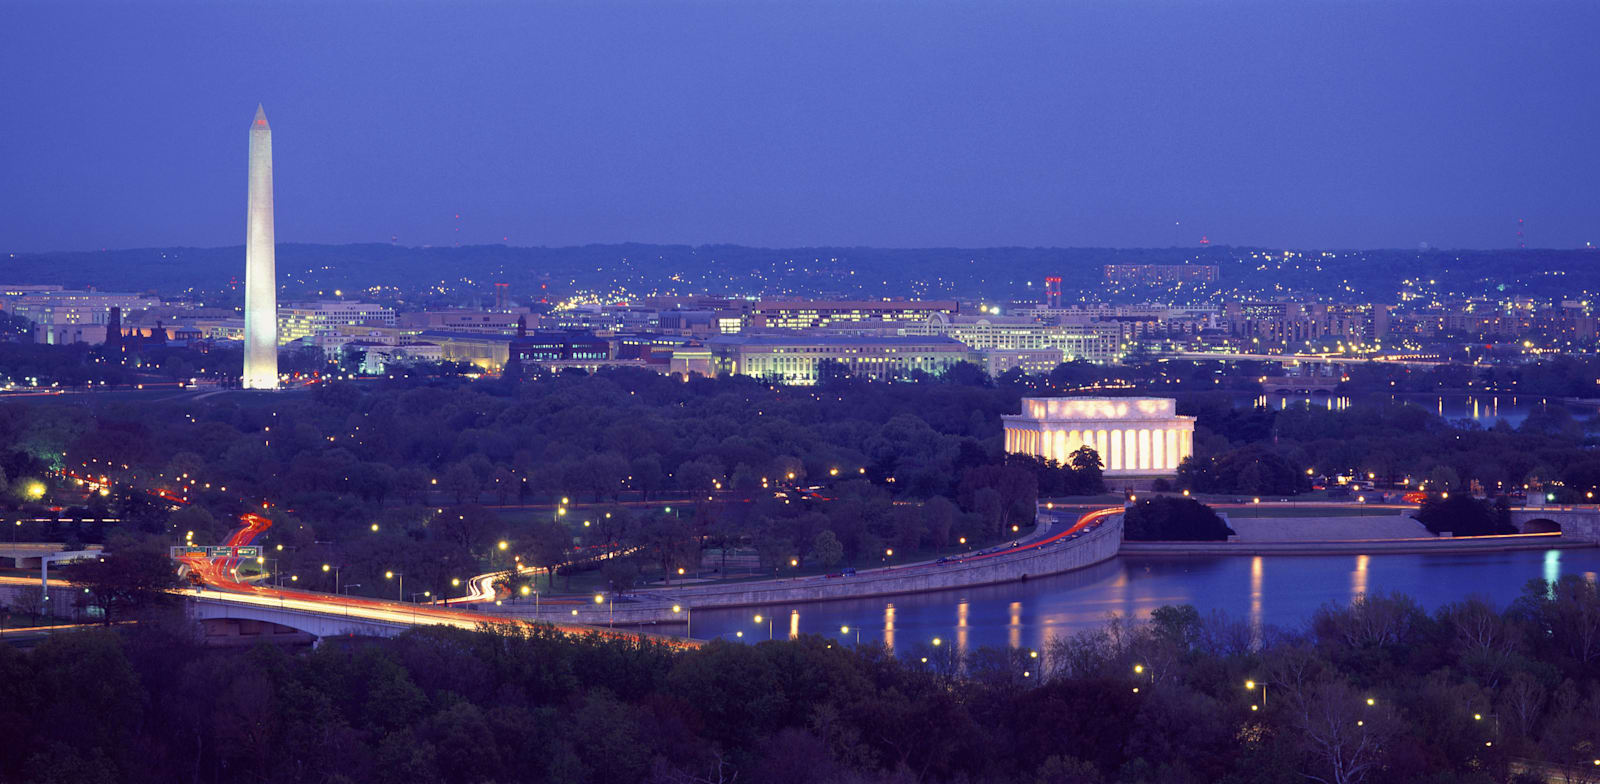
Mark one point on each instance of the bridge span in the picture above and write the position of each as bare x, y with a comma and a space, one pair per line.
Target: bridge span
1237, 356
1578, 522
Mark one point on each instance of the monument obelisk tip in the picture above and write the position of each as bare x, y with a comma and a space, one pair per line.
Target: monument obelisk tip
261, 118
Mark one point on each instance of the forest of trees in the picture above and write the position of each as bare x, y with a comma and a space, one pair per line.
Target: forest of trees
428, 461
913, 466
1378, 691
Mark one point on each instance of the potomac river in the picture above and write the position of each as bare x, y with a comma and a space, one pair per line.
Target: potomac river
1278, 590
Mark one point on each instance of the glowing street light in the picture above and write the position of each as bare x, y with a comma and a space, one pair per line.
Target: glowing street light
689, 627
1251, 686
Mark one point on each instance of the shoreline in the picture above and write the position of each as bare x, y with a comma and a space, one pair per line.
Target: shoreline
1462, 544
657, 611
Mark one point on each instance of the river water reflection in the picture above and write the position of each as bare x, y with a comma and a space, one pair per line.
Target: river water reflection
1483, 409
1271, 590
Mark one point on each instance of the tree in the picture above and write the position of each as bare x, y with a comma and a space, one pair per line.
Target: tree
940, 514
413, 484
1165, 518
548, 545
620, 574
372, 481
1088, 472
604, 474
966, 374
200, 521
468, 526
125, 581
991, 510
699, 475
502, 483
29, 601
670, 543
461, 482
1463, 515
1342, 734
646, 470
1443, 477
827, 549
1566, 614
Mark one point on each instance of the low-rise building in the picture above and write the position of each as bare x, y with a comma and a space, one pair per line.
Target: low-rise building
312, 319
796, 358
1093, 342
808, 314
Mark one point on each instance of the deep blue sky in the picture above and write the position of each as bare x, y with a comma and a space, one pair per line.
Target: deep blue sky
864, 122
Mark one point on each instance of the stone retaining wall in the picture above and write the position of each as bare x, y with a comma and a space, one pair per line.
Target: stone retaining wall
1097, 544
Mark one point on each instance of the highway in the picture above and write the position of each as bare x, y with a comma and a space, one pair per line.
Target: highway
220, 578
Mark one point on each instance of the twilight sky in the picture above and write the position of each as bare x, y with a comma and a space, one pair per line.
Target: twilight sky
861, 122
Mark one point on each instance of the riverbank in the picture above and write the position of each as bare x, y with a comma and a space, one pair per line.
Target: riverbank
1065, 545
1461, 544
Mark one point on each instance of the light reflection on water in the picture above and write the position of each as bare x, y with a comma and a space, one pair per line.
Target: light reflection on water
1263, 590
1483, 409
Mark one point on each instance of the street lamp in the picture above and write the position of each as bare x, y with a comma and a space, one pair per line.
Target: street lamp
1251, 685
689, 626
769, 625
390, 576
335, 569
612, 606
846, 630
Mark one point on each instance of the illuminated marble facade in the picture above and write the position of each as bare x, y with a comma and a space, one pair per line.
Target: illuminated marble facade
1135, 436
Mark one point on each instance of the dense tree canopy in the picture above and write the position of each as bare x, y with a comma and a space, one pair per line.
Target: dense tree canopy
1376, 691
1171, 518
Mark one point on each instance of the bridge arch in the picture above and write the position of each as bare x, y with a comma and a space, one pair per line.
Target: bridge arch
1541, 525
228, 632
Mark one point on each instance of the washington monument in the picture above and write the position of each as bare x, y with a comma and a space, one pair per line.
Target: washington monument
260, 263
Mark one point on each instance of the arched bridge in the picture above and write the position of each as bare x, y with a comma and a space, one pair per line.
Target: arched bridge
229, 621
232, 617
1576, 522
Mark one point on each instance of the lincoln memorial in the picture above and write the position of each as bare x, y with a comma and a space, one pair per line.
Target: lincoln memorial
1135, 436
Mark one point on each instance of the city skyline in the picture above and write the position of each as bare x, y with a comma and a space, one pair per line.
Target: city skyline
1099, 125
711, 391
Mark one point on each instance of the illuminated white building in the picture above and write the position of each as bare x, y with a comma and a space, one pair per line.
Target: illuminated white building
1135, 436
313, 319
